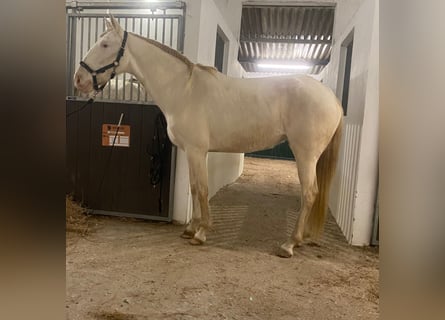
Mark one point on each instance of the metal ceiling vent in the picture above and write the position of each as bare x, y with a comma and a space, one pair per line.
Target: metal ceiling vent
290, 39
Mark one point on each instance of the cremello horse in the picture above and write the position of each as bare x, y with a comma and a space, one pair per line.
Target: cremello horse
208, 111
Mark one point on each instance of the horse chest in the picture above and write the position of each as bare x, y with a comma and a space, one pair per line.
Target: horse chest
179, 135
174, 137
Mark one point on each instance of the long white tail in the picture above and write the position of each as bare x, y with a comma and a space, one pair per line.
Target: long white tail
326, 166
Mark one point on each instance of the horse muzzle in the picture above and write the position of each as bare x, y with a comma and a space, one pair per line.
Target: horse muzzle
83, 82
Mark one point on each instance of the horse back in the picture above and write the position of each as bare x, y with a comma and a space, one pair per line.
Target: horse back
244, 115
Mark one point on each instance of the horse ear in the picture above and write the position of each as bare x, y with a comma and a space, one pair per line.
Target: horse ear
109, 24
115, 23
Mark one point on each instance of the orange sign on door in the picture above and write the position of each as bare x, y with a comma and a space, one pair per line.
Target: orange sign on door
110, 138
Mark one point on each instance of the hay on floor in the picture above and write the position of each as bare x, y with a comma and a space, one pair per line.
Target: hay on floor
76, 217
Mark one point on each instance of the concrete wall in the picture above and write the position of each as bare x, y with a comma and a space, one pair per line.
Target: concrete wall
361, 17
203, 17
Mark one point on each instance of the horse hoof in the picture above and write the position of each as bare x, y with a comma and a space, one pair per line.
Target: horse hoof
284, 253
196, 242
187, 234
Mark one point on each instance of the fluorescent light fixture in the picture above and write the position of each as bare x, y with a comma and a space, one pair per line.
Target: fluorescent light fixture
271, 66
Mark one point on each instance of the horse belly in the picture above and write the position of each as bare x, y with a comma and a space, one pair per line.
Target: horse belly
247, 140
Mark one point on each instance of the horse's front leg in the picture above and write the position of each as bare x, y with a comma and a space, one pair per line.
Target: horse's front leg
193, 226
200, 223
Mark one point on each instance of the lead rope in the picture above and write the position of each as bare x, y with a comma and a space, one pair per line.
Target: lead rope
90, 101
157, 156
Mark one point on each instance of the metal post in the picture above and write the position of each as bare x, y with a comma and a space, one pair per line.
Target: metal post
181, 32
71, 56
68, 83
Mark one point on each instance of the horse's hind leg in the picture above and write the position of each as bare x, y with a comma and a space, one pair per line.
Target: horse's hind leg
199, 225
308, 179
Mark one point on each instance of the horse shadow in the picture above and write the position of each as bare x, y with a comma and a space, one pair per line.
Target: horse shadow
246, 218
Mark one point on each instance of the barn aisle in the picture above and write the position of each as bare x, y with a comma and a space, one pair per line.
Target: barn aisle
129, 269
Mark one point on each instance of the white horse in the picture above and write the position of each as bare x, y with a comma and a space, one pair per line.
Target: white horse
209, 111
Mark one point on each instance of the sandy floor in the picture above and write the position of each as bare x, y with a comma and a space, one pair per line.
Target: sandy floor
127, 269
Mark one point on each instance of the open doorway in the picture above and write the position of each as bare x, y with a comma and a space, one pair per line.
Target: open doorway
221, 48
344, 73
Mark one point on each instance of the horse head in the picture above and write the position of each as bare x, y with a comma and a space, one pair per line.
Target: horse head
103, 60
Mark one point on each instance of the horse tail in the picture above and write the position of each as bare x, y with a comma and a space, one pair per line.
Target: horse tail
326, 166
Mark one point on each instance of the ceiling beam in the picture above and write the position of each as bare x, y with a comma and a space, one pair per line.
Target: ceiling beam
275, 40
288, 3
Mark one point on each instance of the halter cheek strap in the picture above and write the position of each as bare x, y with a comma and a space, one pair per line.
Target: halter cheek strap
112, 65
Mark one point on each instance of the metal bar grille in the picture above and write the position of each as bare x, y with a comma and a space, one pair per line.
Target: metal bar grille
84, 28
167, 5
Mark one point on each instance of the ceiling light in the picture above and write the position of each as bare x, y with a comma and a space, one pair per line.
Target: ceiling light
271, 66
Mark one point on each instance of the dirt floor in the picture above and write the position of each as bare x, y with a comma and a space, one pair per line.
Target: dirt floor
124, 269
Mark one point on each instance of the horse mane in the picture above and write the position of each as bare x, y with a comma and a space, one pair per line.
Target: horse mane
178, 55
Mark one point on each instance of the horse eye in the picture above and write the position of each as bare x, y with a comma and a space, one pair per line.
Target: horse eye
104, 45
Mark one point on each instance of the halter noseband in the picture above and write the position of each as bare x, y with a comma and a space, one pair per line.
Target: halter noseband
113, 65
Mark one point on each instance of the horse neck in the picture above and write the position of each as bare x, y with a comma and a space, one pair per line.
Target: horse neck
163, 75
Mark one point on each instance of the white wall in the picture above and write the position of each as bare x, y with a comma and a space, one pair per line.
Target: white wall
367, 179
362, 112
202, 19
